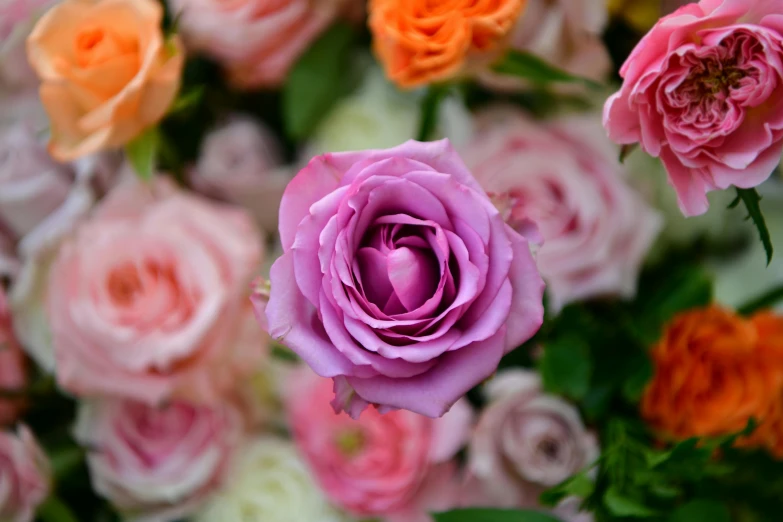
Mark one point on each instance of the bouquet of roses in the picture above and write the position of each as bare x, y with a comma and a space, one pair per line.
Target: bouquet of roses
391, 261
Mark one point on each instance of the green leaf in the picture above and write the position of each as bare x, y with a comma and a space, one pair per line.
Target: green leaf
142, 153
701, 511
750, 197
430, 109
766, 300
579, 485
317, 80
627, 150
622, 506
493, 515
55, 510
534, 69
634, 385
566, 367
187, 100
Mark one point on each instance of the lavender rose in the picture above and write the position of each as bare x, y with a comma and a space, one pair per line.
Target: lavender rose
701, 91
399, 278
525, 442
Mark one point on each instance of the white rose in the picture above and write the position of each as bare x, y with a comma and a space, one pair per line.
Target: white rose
269, 483
378, 116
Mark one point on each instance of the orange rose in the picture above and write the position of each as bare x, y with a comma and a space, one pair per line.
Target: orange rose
107, 72
714, 370
420, 41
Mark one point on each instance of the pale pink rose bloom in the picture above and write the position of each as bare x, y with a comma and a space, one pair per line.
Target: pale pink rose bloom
701, 91
146, 297
256, 40
563, 179
396, 466
156, 464
17, 18
24, 474
241, 162
12, 365
565, 33
525, 442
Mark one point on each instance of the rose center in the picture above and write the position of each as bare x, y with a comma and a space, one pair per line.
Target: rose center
95, 46
350, 442
714, 79
124, 285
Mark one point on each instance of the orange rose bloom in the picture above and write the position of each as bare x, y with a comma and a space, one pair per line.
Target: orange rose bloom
715, 370
424, 41
107, 72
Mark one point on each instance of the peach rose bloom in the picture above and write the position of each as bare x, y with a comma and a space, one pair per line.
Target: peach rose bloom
148, 299
420, 42
714, 370
107, 72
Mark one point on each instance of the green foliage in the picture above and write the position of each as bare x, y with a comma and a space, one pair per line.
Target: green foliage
701, 511
566, 366
430, 109
751, 198
537, 71
142, 153
55, 510
319, 78
493, 515
766, 300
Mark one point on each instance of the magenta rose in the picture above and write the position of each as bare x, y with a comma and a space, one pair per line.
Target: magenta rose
701, 90
564, 178
147, 298
396, 467
156, 464
25, 476
399, 278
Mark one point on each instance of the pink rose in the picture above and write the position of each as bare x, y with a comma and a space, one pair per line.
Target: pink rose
565, 33
24, 474
701, 90
17, 18
564, 178
525, 442
399, 278
241, 162
396, 466
13, 374
156, 464
265, 38
146, 298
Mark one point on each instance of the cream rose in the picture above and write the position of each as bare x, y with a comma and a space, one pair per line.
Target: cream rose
269, 482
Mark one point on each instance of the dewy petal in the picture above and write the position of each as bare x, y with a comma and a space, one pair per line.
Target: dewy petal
294, 321
434, 392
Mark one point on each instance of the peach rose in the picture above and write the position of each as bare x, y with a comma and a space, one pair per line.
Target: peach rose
147, 299
420, 42
714, 370
107, 71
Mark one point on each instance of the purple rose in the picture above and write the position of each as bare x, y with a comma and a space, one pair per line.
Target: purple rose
399, 278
